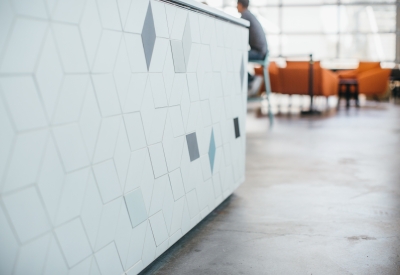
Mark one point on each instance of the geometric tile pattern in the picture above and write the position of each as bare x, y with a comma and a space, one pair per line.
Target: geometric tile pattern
241, 73
193, 146
148, 35
237, 129
116, 131
211, 151
136, 207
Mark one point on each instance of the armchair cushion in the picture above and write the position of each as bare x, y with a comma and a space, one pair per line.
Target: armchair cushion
330, 82
366, 66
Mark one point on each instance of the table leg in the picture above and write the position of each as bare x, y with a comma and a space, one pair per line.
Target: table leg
356, 96
348, 96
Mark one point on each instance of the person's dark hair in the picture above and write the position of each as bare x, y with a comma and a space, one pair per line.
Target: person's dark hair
245, 3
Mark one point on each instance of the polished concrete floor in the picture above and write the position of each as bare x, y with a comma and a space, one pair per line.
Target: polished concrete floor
322, 196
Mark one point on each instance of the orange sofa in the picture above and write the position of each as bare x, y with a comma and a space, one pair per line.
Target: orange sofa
294, 78
372, 79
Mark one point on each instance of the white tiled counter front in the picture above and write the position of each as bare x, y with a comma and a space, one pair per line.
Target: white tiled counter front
122, 126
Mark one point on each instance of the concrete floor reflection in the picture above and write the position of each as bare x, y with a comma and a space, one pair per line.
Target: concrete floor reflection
322, 196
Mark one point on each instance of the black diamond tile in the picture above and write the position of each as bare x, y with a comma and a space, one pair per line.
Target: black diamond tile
236, 124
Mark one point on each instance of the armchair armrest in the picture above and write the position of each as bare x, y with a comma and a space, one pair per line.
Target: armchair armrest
330, 83
373, 82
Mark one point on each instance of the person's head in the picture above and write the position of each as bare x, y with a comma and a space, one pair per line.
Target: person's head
242, 5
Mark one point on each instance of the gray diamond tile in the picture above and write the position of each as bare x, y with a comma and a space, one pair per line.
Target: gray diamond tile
148, 35
211, 151
236, 124
193, 146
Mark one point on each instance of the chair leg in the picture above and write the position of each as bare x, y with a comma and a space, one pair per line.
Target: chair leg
268, 94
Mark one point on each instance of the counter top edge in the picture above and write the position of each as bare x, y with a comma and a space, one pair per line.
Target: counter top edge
209, 10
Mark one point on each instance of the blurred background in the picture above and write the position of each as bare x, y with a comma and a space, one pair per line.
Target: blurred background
337, 32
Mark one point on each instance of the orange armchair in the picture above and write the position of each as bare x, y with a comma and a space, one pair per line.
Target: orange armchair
294, 79
373, 82
372, 79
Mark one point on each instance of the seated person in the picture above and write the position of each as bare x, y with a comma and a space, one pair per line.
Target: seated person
257, 41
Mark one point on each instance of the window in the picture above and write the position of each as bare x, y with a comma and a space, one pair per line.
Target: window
328, 29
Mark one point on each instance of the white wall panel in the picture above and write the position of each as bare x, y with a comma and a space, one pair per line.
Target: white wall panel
117, 131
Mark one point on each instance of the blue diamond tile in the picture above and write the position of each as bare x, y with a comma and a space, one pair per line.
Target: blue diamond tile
211, 151
148, 35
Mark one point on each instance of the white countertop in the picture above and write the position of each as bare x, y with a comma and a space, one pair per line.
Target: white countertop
207, 9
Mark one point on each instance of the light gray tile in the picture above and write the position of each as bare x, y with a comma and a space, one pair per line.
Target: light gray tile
109, 261
91, 210
8, 245
149, 248
106, 94
72, 195
136, 244
109, 14
175, 178
70, 144
136, 208
70, 46
27, 214
73, 242
108, 223
90, 27
25, 159
49, 74
68, 11
32, 256
107, 52
160, 18
81, 268
23, 101
107, 138
123, 235
187, 41
136, 15
178, 56
23, 46
159, 228
134, 128
159, 188
55, 263
158, 160
107, 180
71, 98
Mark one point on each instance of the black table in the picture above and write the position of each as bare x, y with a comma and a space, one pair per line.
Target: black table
348, 93
395, 83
